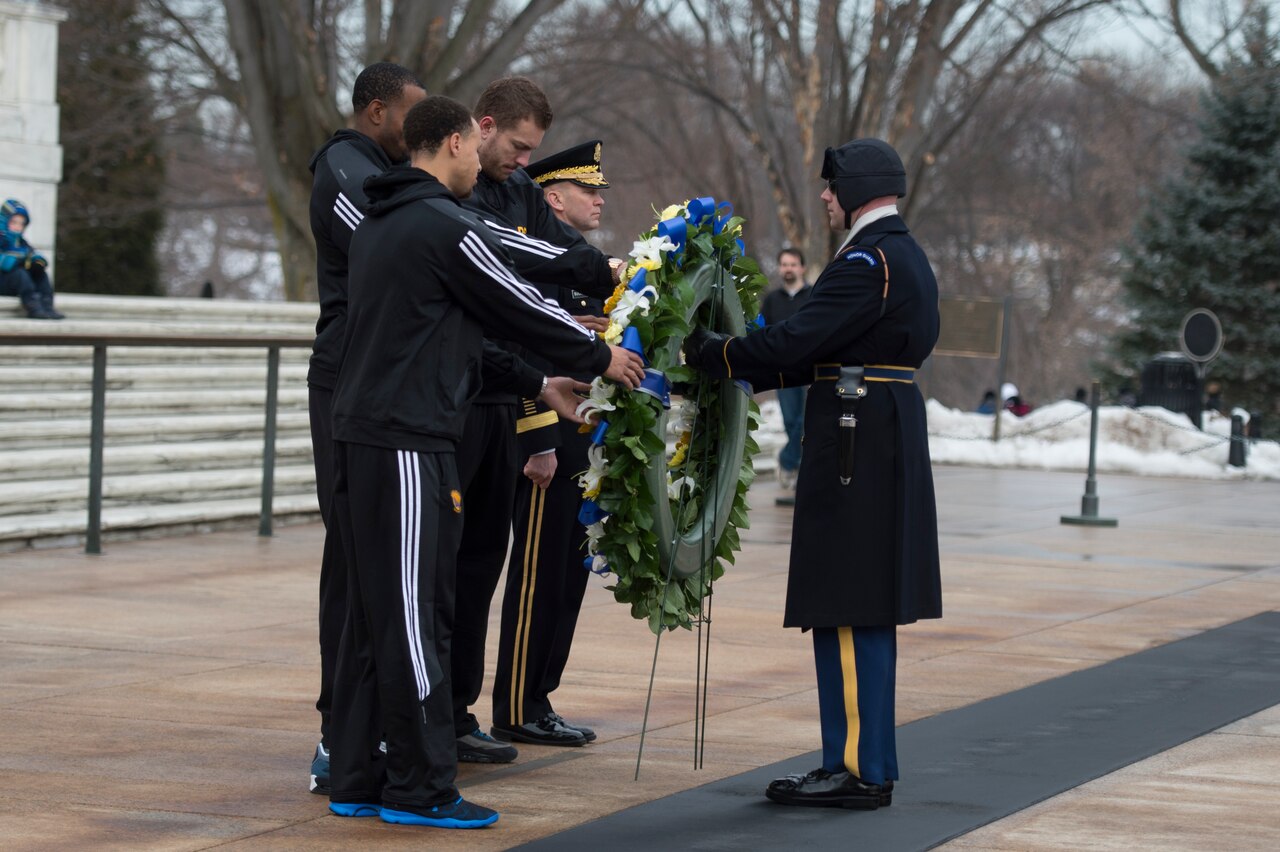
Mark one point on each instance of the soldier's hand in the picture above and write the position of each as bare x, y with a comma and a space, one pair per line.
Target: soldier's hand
596, 324
540, 469
39, 260
561, 396
701, 345
625, 368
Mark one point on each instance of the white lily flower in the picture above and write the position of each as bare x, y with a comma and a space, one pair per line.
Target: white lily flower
651, 249
589, 482
632, 301
595, 532
599, 564
598, 400
675, 486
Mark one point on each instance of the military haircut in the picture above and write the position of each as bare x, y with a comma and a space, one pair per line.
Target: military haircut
381, 81
432, 120
510, 100
794, 252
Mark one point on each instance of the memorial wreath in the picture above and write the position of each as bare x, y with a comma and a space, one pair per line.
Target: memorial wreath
664, 526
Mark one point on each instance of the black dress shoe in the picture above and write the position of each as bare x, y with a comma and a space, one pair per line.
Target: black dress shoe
583, 729
544, 731
823, 789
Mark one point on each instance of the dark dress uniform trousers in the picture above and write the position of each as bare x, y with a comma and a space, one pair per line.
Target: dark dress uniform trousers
488, 464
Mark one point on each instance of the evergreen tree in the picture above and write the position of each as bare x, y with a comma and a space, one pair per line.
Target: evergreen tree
1211, 238
109, 206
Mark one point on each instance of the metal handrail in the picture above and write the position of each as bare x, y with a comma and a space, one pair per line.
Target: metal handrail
98, 408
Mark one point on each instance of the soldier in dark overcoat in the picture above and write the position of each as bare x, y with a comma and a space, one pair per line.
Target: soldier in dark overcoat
864, 549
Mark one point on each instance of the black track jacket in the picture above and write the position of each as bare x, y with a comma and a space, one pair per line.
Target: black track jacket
339, 169
427, 282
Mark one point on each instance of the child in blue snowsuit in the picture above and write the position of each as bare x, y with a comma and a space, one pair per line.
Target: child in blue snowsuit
23, 272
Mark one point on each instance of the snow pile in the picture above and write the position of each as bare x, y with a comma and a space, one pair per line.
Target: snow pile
1148, 441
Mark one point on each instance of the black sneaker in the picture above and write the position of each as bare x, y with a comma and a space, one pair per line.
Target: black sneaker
583, 729
458, 814
549, 730
479, 747
320, 771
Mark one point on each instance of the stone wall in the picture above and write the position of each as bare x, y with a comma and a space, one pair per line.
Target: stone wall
30, 156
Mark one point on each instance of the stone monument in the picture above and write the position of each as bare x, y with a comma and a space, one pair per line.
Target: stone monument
30, 155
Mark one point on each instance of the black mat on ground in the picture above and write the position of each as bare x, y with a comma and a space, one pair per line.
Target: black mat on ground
967, 767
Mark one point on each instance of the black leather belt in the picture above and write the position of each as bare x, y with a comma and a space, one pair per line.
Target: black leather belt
870, 373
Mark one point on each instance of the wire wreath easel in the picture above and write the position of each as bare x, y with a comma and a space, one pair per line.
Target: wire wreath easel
716, 319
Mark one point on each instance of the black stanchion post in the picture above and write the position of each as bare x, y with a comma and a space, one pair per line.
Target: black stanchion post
269, 441
1236, 456
1089, 502
97, 437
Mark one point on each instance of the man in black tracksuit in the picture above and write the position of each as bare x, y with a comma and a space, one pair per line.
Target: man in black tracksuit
513, 114
427, 282
382, 95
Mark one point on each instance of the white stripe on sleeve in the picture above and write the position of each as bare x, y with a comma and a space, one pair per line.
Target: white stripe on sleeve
480, 255
347, 211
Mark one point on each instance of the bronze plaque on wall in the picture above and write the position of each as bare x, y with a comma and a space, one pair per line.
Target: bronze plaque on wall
970, 327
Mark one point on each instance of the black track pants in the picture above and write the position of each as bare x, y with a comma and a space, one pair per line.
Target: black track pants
400, 516
545, 584
488, 464
333, 567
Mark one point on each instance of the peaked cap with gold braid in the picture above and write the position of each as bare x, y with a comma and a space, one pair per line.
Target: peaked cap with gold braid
579, 164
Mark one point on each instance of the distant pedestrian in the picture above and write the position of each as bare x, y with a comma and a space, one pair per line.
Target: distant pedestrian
778, 305
1081, 396
988, 404
1015, 406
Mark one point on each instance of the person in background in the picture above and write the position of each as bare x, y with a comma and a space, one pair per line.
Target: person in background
1015, 406
779, 305
23, 272
988, 404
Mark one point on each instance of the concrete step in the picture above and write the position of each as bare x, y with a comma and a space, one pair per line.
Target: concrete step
66, 527
144, 429
78, 375
73, 462
11, 356
178, 486
30, 406
86, 306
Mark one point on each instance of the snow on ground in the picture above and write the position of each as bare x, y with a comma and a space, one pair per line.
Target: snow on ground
1147, 441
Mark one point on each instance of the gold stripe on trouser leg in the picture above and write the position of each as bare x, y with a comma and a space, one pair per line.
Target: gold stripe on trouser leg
536, 505
527, 577
849, 670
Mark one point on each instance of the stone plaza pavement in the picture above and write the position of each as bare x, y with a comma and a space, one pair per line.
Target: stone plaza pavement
159, 696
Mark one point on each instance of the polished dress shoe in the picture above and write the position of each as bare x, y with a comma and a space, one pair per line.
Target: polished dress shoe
823, 789
548, 730
583, 729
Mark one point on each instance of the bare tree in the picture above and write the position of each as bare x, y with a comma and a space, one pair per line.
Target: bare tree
283, 66
794, 76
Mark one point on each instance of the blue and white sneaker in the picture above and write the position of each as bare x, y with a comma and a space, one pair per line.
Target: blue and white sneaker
459, 814
355, 809
320, 771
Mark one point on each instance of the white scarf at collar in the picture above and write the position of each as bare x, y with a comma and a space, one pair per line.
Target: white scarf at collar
866, 219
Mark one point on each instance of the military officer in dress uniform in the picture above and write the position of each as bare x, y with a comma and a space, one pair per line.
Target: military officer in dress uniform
545, 576
864, 547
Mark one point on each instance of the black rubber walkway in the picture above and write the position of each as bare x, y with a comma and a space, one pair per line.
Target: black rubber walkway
968, 767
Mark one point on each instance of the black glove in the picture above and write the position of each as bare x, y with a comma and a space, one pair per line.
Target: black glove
702, 346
